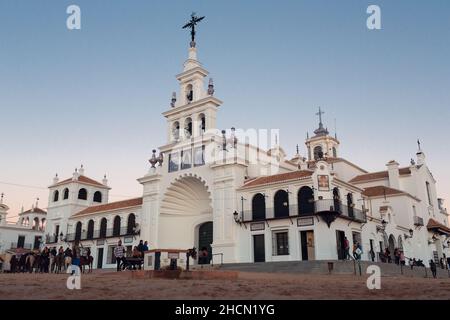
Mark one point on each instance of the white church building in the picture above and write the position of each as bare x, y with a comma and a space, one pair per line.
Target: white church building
221, 190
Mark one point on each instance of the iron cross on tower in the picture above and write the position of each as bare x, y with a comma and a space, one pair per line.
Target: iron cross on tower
191, 24
320, 113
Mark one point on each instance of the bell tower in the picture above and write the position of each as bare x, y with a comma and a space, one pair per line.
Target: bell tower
322, 145
193, 113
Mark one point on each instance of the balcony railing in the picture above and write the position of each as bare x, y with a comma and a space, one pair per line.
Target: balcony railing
28, 246
294, 211
418, 221
108, 233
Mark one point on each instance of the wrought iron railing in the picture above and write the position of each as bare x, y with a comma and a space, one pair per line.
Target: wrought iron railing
101, 234
306, 210
15, 245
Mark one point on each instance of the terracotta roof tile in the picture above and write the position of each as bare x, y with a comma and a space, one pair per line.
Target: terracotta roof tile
278, 178
35, 210
110, 206
81, 179
378, 175
433, 224
381, 191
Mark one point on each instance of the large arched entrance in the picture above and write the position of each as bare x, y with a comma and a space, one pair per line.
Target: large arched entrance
205, 239
392, 247
186, 215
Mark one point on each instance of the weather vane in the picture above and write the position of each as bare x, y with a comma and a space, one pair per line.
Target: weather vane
191, 24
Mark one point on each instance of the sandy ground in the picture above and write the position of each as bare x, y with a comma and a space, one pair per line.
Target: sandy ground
111, 285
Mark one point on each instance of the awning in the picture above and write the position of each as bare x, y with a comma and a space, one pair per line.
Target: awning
437, 227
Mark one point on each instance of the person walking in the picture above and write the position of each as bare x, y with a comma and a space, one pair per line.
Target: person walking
402, 258
119, 253
346, 249
433, 268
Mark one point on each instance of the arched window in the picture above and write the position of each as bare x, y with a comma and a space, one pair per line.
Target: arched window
305, 201
103, 227
350, 205
131, 224
78, 231
116, 226
98, 196
318, 153
334, 152
55, 196
90, 230
27, 221
43, 223
189, 93
82, 194
36, 223
281, 204
336, 200
259, 207
66, 194
188, 128
176, 130
202, 121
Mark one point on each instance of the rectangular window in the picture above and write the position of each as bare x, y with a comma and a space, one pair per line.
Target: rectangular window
186, 159
429, 193
199, 156
280, 243
174, 161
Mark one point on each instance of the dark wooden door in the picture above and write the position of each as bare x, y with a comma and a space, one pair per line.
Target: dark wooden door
205, 239
304, 245
99, 258
20, 241
340, 243
259, 251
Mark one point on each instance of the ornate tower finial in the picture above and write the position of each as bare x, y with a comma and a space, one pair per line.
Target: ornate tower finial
153, 161
418, 145
191, 24
37, 202
297, 148
1, 197
174, 99
211, 87
321, 131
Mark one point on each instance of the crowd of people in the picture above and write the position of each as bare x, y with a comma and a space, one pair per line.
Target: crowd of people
137, 255
46, 260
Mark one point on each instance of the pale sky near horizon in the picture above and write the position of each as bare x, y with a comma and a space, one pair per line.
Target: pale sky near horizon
95, 96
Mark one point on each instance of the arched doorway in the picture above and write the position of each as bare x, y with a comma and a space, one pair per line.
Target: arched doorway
392, 247
305, 201
336, 200
205, 239
185, 207
78, 231
281, 204
259, 207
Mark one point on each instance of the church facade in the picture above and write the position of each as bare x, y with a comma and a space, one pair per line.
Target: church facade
244, 203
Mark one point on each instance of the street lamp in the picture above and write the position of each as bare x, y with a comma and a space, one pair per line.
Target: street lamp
411, 233
382, 227
236, 217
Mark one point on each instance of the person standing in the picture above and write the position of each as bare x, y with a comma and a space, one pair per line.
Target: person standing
402, 258
76, 254
145, 248
119, 253
433, 268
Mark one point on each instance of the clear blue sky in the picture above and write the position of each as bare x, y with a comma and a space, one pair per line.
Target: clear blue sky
95, 96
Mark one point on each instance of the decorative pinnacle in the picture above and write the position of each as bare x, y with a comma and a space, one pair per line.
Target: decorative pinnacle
1, 197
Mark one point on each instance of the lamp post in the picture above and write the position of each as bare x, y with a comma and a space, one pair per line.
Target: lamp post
411, 233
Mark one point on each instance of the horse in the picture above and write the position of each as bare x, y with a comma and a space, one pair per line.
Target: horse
86, 261
59, 262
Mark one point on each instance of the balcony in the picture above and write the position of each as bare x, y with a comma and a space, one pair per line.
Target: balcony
108, 233
319, 207
418, 221
15, 245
